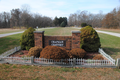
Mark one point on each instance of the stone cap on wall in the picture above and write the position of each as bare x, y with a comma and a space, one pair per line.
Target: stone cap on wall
39, 31
76, 31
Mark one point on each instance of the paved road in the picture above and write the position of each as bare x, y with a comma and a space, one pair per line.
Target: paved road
7, 34
110, 33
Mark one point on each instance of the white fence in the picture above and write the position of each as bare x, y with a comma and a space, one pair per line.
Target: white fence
51, 61
106, 56
17, 59
73, 61
7, 53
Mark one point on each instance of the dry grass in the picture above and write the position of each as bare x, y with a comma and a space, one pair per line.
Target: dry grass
9, 30
24, 72
59, 31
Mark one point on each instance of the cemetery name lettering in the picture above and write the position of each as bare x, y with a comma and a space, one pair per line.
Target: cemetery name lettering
60, 43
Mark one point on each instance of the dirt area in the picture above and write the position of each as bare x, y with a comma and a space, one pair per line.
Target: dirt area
22, 53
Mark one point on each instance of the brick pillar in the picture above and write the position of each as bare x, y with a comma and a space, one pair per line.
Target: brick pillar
39, 38
76, 39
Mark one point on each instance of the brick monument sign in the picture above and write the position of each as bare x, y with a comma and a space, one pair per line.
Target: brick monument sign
67, 42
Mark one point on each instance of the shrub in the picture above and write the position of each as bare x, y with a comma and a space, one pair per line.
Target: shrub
83, 24
53, 52
27, 39
35, 51
90, 40
98, 57
77, 53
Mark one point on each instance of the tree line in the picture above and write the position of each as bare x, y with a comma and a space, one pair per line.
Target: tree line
20, 18
23, 18
109, 20
62, 21
79, 17
112, 19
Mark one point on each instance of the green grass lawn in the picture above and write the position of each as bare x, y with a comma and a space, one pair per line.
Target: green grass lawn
110, 44
9, 42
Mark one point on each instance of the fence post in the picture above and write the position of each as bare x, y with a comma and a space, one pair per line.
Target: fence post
74, 62
32, 59
15, 48
118, 63
0, 58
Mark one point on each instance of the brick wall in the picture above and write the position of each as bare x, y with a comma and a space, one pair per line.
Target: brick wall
68, 40
39, 38
75, 39
71, 41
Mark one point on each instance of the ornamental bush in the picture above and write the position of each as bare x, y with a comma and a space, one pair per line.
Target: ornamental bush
98, 57
27, 39
53, 52
77, 53
90, 40
35, 51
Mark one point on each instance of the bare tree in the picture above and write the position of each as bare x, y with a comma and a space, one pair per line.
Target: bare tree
85, 17
4, 20
25, 8
15, 17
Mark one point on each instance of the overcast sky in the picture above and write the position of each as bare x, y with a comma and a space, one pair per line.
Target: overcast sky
60, 8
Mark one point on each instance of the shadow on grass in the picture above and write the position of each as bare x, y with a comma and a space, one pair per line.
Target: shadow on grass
111, 51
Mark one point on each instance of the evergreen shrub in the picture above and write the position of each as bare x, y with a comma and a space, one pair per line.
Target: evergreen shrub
90, 40
27, 39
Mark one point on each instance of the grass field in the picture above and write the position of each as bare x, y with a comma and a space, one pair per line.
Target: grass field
59, 31
23, 72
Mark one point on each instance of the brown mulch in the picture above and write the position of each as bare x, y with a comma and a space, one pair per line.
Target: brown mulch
17, 54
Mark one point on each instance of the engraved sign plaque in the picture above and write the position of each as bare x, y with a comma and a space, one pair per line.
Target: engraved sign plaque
60, 43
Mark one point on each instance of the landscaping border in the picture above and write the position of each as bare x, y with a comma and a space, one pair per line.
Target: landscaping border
4, 58
9, 52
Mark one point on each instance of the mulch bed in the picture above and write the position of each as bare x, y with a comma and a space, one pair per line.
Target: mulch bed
18, 53
25, 53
